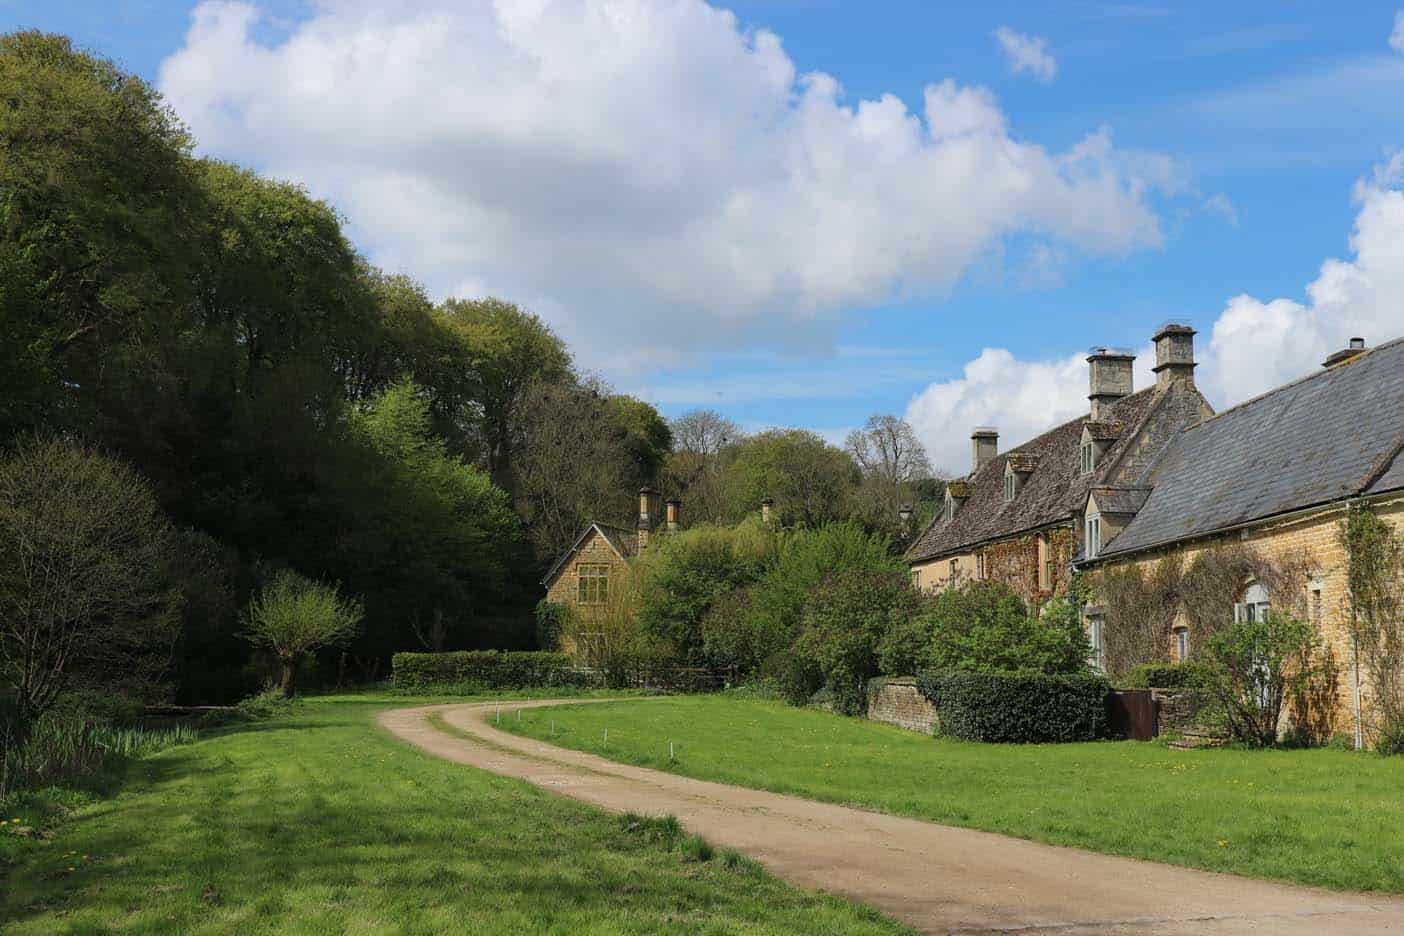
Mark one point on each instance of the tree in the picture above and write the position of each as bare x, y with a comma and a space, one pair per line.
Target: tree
84, 559
845, 620
508, 351
810, 481
892, 462
647, 437
96, 247
1257, 666
695, 471
576, 464
293, 616
758, 629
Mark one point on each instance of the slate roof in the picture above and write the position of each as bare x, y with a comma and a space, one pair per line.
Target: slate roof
1054, 490
621, 540
1120, 500
1333, 434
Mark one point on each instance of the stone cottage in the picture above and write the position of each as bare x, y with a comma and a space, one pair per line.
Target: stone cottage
1276, 475
581, 576
1017, 517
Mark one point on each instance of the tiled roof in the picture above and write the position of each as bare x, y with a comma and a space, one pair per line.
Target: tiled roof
1053, 491
1336, 433
1103, 431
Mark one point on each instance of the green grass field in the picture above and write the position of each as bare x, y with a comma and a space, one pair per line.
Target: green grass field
320, 822
1324, 817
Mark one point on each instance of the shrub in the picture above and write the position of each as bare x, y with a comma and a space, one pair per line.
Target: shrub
796, 677
489, 669
845, 618
743, 629
550, 622
1256, 667
1191, 675
688, 571
984, 627
1017, 708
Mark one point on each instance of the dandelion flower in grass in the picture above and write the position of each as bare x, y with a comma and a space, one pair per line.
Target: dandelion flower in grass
1223, 843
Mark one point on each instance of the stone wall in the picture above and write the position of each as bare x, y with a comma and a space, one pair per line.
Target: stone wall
897, 702
1177, 710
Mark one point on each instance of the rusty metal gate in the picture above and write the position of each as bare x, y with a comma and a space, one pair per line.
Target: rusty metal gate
1131, 714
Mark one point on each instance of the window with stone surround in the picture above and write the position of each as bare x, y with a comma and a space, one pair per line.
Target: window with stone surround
1088, 457
1094, 537
594, 584
1182, 644
1096, 639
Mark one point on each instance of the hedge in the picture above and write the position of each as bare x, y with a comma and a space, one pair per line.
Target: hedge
1168, 676
1001, 707
486, 669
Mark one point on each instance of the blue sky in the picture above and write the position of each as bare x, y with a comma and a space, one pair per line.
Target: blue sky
1233, 139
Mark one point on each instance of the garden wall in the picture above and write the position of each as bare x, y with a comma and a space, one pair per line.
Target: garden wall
897, 702
1177, 710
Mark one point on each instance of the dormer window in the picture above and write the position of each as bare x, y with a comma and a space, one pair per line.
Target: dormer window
1016, 471
1089, 456
1094, 537
1008, 486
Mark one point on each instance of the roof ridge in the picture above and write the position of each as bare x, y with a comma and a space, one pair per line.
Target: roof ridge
1087, 417
1292, 383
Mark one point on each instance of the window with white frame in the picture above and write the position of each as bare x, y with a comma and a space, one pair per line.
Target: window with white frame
1254, 606
1094, 537
1182, 644
1088, 457
916, 579
1009, 487
1096, 639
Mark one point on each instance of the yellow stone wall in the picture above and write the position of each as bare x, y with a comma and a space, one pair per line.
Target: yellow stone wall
1315, 534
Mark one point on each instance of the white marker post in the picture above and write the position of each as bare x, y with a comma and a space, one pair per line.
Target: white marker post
670, 751
606, 744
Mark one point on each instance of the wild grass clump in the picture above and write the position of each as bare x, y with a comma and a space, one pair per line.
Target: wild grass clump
62, 749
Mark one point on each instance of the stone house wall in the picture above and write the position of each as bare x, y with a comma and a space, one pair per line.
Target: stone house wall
898, 702
594, 551
1314, 534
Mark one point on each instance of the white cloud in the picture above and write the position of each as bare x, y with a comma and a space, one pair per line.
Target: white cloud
1396, 38
1220, 205
649, 176
1252, 346
1027, 53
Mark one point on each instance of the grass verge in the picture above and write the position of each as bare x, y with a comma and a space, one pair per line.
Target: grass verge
1322, 817
317, 821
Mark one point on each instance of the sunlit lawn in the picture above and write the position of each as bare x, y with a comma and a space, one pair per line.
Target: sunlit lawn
1325, 817
320, 822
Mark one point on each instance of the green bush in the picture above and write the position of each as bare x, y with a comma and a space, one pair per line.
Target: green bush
984, 627
690, 570
550, 621
488, 669
845, 618
1258, 667
1189, 675
1006, 707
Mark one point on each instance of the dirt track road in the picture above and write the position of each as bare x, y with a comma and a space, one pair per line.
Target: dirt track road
934, 878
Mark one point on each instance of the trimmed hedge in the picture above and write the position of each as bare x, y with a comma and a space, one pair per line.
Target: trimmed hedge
1010, 707
486, 669
1168, 676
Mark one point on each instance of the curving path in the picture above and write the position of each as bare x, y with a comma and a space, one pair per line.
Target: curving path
938, 879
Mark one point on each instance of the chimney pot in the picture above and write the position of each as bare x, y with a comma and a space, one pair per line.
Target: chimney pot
1174, 354
1357, 344
984, 444
672, 507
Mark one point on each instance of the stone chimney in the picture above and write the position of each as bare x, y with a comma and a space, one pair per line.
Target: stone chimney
672, 507
984, 445
1108, 379
1174, 354
650, 517
1354, 350
767, 508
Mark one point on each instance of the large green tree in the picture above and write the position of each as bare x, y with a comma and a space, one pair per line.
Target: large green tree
811, 482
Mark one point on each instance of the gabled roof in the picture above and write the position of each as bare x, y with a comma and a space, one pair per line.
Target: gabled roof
1054, 490
1120, 500
620, 540
1333, 434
